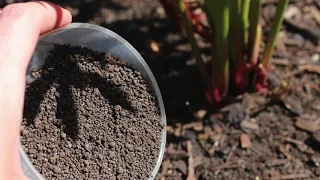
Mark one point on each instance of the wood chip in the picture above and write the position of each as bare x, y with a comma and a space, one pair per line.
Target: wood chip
276, 162
245, 141
170, 130
211, 151
310, 68
303, 29
181, 165
234, 147
280, 61
176, 154
154, 46
283, 150
165, 167
293, 104
197, 126
316, 136
316, 14
297, 142
197, 160
203, 136
311, 126
248, 125
293, 176
227, 166
200, 114
190, 162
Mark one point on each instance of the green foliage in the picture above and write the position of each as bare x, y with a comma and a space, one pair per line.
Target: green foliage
235, 34
275, 28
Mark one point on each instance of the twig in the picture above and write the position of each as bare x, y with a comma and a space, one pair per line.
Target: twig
227, 166
190, 162
282, 62
276, 162
165, 166
294, 141
234, 147
256, 151
303, 68
293, 176
282, 149
192, 125
179, 154
312, 34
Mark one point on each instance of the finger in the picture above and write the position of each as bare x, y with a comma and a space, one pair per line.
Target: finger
20, 26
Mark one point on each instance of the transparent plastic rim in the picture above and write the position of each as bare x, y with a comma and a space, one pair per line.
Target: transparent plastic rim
150, 78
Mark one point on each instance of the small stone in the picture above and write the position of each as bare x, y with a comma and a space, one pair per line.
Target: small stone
129, 147
117, 108
87, 147
52, 160
123, 113
24, 132
96, 91
63, 135
100, 156
112, 144
86, 162
245, 141
120, 170
69, 145
48, 107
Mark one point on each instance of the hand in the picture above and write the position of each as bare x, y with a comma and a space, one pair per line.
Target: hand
20, 26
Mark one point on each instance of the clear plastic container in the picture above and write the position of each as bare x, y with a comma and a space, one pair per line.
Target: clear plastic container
99, 39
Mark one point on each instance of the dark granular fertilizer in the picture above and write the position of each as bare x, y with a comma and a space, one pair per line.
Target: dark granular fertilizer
88, 115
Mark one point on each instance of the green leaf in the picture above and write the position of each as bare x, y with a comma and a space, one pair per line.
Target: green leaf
277, 22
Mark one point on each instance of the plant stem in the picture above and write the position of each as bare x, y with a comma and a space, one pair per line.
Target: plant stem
218, 15
275, 28
244, 18
194, 46
255, 10
235, 47
254, 54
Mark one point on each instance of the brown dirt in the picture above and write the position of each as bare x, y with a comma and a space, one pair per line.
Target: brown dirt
89, 116
279, 149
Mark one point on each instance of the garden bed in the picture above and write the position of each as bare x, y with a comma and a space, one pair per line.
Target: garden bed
253, 138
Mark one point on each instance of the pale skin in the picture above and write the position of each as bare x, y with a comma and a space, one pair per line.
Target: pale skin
20, 27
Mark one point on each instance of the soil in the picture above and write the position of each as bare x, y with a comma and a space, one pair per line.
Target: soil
88, 115
202, 142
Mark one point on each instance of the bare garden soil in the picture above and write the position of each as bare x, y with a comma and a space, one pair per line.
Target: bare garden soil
254, 137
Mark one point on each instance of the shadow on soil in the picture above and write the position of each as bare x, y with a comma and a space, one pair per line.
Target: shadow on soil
68, 75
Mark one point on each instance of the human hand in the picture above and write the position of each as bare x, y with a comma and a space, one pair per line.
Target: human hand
20, 26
